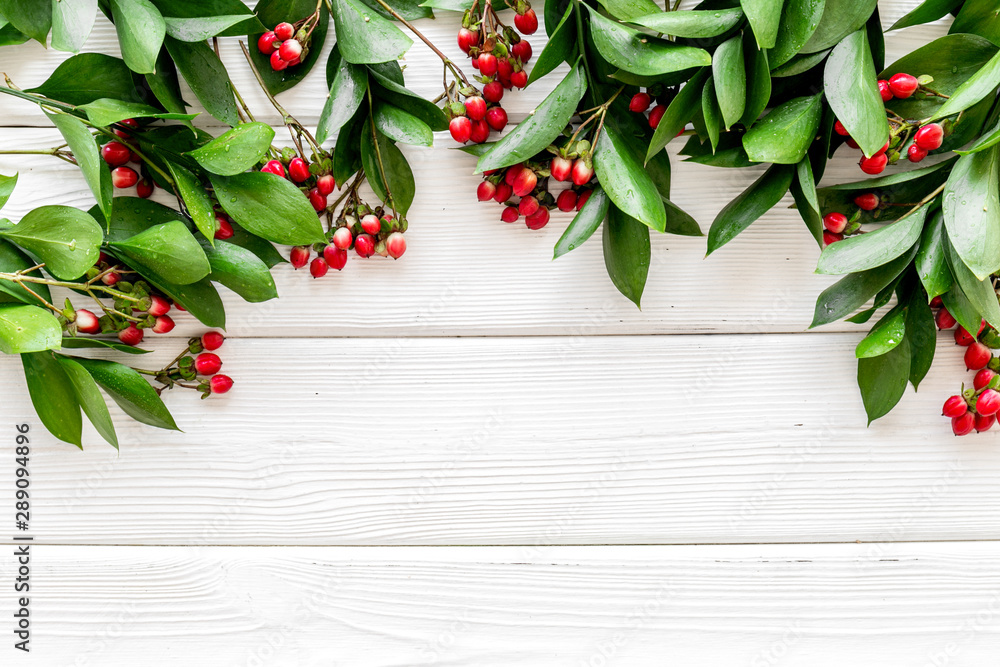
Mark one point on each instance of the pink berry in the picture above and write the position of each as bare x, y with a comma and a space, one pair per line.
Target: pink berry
522, 51
640, 102
945, 320
963, 337
955, 406
903, 85
460, 128
335, 257
852, 143
164, 324
298, 170
475, 107
395, 245
988, 402
503, 194
977, 356
480, 131
839, 128
538, 219
915, 153
364, 245
527, 206
225, 230
110, 279
284, 31
830, 237
212, 340
267, 44
342, 238
485, 191
656, 115
325, 184
510, 214
883, 149
984, 422
929, 137
131, 335
505, 69
512, 173
290, 50
582, 172
527, 22
519, 79
487, 64
874, 165
835, 222
144, 188
299, 256
467, 39
561, 168
371, 224
318, 267
277, 64
525, 182
116, 154
317, 200
86, 322
493, 92
124, 177
867, 202
885, 90
963, 425
496, 118
207, 363
158, 305
566, 201
274, 167
220, 384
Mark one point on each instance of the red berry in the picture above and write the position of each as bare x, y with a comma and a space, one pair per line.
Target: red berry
274, 167
955, 406
318, 267
485, 191
325, 184
944, 319
290, 50
86, 322
284, 31
131, 335
110, 279
144, 188
527, 22
124, 177
566, 201
882, 150
277, 64
988, 402
128, 122
512, 173
874, 164
467, 39
480, 131
929, 137
656, 115
267, 44
527, 206
225, 230
963, 425
212, 340
915, 153
317, 200
560, 168
839, 128
640, 102
505, 68
522, 51
395, 245
460, 128
510, 214
936, 302
335, 257
496, 118
298, 170
852, 143
977, 356
364, 245
503, 193
835, 222
963, 337
220, 384
299, 256
582, 172
116, 154
538, 219
830, 237
371, 224
903, 85
884, 90
487, 64
983, 378
525, 182
475, 107
163, 325
582, 199
984, 422
519, 79
342, 238
207, 363
867, 202
493, 92
158, 306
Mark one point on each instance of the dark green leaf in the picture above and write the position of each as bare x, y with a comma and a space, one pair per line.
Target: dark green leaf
758, 80
448, 5
167, 249
364, 36
13, 260
887, 334
88, 395
397, 179
852, 92
679, 221
866, 251
411, 10
87, 77
235, 151
729, 74
626, 253
7, 184
840, 19
101, 344
559, 49
978, 17
799, 64
72, 21
804, 192
88, 157
201, 300
798, 23
979, 292
784, 135
929, 10
32, 17
764, 17
729, 154
195, 9
637, 52
399, 125
692, 23
241, 271
166, 87
140, 30
130, 391
196, 201
53, 397
207, 76
584, 224
958, 304
270, 207
347, 150
66, 239
11, 36
626, 182
931, 263
752, 203
25, 328
395, 93
258, 246
853, 291
273, 12
711, 113
107, 111
201, 28
971, 205
346, 92
131, 215
921, 333
681, 109
974, 89
883, 379
626, 10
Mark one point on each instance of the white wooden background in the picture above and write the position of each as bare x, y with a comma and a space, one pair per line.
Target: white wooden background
478, 456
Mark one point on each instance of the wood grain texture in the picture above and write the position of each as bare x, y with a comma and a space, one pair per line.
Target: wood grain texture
551, 440
901, 605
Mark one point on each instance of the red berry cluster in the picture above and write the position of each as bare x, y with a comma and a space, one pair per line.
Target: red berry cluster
117, 154
208, 364
977, 407
644, 101
375, 233
837, 226
314, 180
904, 135
287, 44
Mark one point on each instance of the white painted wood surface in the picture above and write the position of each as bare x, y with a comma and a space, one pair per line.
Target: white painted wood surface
394, 425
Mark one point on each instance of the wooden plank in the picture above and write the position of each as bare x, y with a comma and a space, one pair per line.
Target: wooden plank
830, 605
554, 440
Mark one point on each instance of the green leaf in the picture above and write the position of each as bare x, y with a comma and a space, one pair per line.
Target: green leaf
979, 292
626, 10
346, 92
560, 47
273, 12
385, 88
208, 9
13, 260
884, 336
730, 77
241, 271
140, 30
399, 125
584, 224
852, 291
681, 109
921, 333
637, 52
692, 23
866, 251
764, 17
626, 181
729, 154
711, 113
883, 379
72, 21
929, 10
979, 17
87, 77
364, 36
752, 203
931, 263
235, 151
53, 397
88, 395
397, 170
978, 86
201, 28
680, 221
799, 64
270, 207
196, 201
758, 81
540, 128
66, 239
7, 184
98, 343
411, 10
347, 150
804, 192
200, 299
840, 19
132, 215
10, 36
207, 77
258, 246
26, 328
168, 249
852, 92
165, 86
448, 5
626, 253
88, 157
798, 23
971, 205
784, 135
107, 111
961, 308
130, 391
33, 18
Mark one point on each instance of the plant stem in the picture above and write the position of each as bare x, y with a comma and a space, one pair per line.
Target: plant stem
38, 99
378, 156
458, 73
578, 15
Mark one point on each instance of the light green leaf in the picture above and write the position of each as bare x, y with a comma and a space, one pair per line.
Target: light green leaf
7, 184
887, 334
241, 271
626, 181
637, 52
67, 239
798, 23
866, 251
692, 23
784, 135
270, 207
851, 90
88, 395
346, 92
53, 397
88, 157
140, 30
729, 74
626, 254
207, 76
971, 205
764, 17
931, 263
560, 47
854, 290
201, 28
72, 21
25, 328
979, 292
584, 224
840, 19
363, 36
978, 86
107, 111
681, 109
168, 249
196, 200
401, 126
235, 151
